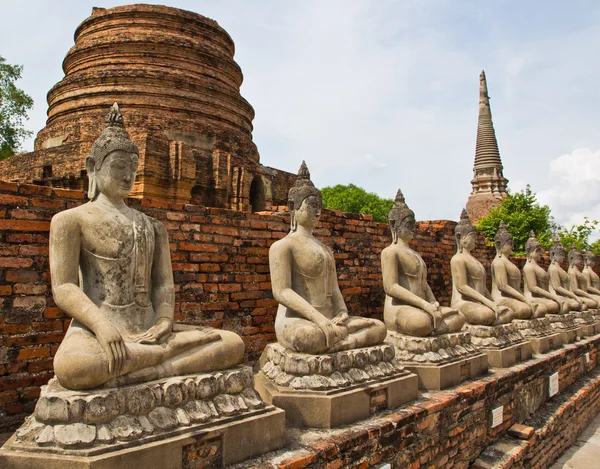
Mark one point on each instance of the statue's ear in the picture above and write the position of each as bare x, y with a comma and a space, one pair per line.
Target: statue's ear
291, 206
90, 165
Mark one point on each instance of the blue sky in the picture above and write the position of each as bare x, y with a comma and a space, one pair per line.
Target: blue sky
384, 94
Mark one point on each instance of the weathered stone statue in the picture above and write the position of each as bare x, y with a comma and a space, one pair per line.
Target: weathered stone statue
488, 322
506, 279
323, 354
410, 306
126, 374
577, 281
593, 280
312, 316
111, 272
559, 280
426, 335
469, 291
506, 290
536, 280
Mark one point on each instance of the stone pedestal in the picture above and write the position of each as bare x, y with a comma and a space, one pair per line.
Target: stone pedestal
564, 324
155, 424
504, 345
441, 361
586, 322
330, 390
540, 333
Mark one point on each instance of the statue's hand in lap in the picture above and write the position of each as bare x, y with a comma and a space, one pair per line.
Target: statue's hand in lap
111, 341
157, 334
334, 332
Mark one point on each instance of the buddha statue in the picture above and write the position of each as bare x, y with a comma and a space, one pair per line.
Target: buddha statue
593, 281
577, 282
410, 306
312, 317
536, 280
469, 291
506, 280
111, 272
559, 280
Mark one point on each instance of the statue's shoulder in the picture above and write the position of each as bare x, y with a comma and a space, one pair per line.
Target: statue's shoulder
157, 226
71, 216
281, 244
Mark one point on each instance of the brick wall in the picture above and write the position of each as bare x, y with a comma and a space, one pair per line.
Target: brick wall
220, 265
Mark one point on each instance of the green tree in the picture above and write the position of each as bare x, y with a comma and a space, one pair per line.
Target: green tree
578, 235
355, 199
522, 213
14, 104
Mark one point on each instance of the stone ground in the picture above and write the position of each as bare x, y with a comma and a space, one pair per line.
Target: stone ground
585, 452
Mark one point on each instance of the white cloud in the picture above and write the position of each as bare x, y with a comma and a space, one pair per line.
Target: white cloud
574, 187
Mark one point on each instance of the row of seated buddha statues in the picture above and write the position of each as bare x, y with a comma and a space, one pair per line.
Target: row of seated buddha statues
132, 386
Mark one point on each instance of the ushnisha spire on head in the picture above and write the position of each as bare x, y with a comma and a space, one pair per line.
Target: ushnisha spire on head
398, 213
114, 137
502, 236
301, 190
532, 243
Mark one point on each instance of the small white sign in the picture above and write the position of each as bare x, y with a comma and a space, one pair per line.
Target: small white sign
386, 466
553, 388
497, 416
587, 357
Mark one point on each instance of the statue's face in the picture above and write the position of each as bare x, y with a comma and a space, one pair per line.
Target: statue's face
309, 212
537, 253
406, 229
559, 256
577, 258
116, 176
590, 261
468, 242
507, 249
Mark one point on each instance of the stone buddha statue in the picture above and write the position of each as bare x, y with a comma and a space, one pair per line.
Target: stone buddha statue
559, 280
577, 281
536, 280
410, 306
593, 280
111, 272
312, 317
469, 291
506, 280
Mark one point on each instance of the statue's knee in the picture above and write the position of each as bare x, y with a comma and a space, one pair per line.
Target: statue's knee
309, 340
234, 346
379, 331
419, 325
76, 372
523, 311
486, 317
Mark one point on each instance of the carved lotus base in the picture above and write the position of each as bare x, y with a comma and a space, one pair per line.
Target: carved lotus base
440, 361
540, 333
587, 322
330, 390
98, 423
504, 345
565, 325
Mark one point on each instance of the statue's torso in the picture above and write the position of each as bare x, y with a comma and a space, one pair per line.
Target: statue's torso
476, 277
412, 271
558, 272
592, 277
512, 274
581, 280
313, 273
116, 264
541, 278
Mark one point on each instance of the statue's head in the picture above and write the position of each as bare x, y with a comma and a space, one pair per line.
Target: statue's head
304, 201
464, 233
503, 240
590, 258
401, 219
557, 252
113, 163
575, 257
533, 248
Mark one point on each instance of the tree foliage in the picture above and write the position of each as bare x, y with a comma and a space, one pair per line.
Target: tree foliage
522, 213
579, 236
14, 104
351, 198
